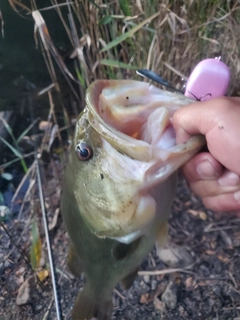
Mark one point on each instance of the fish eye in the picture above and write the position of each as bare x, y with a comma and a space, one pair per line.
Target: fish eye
83, 151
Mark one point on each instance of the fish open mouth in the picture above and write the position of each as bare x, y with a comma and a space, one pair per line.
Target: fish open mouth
135, 118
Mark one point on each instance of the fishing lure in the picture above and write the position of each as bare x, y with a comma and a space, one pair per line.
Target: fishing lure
209, 79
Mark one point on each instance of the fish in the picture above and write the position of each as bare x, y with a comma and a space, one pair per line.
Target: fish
119, 185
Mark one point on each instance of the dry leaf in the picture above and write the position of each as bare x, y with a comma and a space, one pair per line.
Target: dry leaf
202, 215
177, 257
190, 283
139, 5
54, 220
23, 296
144, 298
202, 283
42, 275
223, 258
213, 244
196, 213
36, 247
160, 305
210, 252
24, 292
170, 296
20, 270
193, 212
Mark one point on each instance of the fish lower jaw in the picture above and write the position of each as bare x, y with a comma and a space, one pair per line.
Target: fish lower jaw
142, 220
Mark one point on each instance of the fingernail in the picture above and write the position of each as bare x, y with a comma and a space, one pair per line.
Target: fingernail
206, 170
229, 179
237, 196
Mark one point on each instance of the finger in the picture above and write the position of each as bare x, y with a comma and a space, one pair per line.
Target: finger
218, 120
202, 167
227, 183
223, 202
202, 117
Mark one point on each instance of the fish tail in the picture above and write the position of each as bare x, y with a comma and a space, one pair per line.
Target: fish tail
88, 306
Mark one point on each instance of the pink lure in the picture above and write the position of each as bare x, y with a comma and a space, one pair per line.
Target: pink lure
209, 79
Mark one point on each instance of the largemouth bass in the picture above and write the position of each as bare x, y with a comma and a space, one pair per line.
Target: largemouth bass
119, 185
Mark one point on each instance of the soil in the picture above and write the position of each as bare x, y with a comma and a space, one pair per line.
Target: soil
208, 289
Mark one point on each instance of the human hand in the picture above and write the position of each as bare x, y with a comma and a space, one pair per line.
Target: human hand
213, 175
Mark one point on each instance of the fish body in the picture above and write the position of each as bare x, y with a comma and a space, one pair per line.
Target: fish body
119, 185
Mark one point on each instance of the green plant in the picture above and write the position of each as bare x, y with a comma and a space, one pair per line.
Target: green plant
14, 147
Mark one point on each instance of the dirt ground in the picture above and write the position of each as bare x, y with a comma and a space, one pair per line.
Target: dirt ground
203, 246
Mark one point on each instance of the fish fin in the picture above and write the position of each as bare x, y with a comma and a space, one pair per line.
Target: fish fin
129, 279
87, 307
162, 236
73, 262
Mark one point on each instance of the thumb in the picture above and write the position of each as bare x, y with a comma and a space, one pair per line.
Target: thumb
218, 120
202, 167
188, 120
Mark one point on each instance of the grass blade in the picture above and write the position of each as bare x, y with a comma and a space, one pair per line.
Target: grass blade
117, 64
26, 131
17, 154
129, 33
36, 247
8, 128
14, 150
125, 7
3, 166
105, 20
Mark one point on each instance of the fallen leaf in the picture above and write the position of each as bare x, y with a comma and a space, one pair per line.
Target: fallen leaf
210, 252
223, 258
42, 275
53, 223
193, 212
177, 257
23, 296
196, 213
160, 306
170, 296
213, 244
202, 215
144, 298
190, 283
20, 270
139, 5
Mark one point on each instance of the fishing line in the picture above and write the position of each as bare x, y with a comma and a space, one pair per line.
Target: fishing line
46, 231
